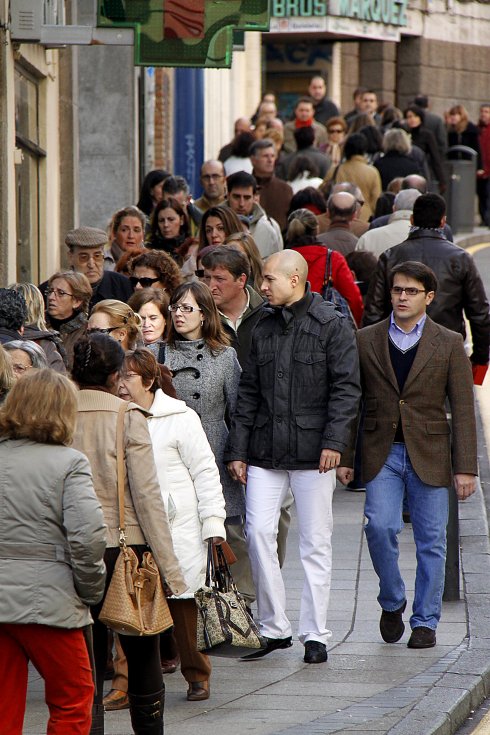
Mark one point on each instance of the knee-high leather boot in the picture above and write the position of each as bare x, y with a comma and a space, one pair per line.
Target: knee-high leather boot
147, 712
97, 720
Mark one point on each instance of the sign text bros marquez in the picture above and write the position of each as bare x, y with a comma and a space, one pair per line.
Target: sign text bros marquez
390, 12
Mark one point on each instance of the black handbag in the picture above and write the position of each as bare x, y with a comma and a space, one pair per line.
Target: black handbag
224, 626
330, 293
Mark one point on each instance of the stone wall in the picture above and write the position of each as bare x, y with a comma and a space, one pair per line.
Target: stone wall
449, 73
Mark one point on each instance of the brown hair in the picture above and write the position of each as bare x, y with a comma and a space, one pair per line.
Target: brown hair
151, 296
124, 263
227, 217
212, 329
335, 121
79, 284
247, 244
164, 266
118, 217
463, 123
144, 362
41, 407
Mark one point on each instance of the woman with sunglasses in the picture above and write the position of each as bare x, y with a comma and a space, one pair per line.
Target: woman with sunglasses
336, 130
206, 373
155, 269
118, 320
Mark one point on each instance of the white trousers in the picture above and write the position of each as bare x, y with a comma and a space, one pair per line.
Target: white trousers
313, 492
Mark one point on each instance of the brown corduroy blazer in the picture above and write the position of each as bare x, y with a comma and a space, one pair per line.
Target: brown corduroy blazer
441, 370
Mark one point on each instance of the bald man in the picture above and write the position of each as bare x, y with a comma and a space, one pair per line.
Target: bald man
297, 400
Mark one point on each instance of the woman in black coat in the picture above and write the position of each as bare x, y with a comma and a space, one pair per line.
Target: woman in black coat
462, 132
423, 138
396, 160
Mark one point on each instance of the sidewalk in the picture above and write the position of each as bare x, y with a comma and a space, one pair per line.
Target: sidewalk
366, 686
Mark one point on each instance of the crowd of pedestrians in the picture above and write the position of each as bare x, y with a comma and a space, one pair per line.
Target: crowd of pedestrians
245, 389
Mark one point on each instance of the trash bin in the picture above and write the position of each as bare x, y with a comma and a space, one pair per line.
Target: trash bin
460, 168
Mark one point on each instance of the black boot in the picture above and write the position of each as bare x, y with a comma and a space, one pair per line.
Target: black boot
97, 720
147, 712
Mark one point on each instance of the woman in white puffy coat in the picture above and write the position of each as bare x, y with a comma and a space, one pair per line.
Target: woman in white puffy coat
191, 490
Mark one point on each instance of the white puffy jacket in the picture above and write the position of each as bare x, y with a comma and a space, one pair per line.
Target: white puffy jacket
190, 484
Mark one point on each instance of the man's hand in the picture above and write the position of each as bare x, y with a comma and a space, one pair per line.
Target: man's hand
238, 471
329, 460
465, 486
345, 475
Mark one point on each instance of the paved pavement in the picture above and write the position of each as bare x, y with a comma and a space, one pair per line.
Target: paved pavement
366, 686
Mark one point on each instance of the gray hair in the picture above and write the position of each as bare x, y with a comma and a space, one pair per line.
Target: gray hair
405, 199
36, 354
397, 139
260, 145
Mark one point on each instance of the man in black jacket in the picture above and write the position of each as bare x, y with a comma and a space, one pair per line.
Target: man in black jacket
298, 397
461, 291
86, 255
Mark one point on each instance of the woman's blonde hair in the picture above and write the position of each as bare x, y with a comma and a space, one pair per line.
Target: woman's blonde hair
123, 317
34, 302
41, 407
7, 377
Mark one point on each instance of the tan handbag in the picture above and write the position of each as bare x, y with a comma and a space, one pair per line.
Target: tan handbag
135, 603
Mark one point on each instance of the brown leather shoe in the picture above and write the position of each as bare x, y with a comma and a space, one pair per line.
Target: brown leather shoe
115, 699
169, 666
391, 625
198, 691
422, 637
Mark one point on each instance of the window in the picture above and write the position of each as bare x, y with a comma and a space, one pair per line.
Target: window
27, 175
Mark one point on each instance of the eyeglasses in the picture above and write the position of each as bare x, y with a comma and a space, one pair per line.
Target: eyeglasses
97, 257
58, 292
335, 130
20, 369
409, 290
184, 308
100, 330
145, 282
128, 376
212, 177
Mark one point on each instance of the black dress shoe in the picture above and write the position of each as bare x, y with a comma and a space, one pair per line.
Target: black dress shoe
273, 644
391, 625
422, 637
315, 652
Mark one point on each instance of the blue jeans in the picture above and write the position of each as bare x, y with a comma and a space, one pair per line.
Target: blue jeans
428, 506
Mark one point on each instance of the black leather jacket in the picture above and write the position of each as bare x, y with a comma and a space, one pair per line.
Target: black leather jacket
460, 290
299, 392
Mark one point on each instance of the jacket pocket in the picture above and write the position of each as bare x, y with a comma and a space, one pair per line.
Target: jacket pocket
309, 432
437, 427
310, 368
260, 440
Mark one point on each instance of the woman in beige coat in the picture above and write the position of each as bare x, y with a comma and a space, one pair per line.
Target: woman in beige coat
97, 361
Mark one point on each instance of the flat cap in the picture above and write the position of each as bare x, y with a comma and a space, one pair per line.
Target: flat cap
86, 237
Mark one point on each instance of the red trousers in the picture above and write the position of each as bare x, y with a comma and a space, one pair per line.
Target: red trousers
61, 658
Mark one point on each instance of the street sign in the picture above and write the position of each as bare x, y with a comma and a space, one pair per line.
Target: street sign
189, 33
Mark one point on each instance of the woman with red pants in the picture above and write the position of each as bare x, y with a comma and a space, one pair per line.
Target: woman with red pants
52, 542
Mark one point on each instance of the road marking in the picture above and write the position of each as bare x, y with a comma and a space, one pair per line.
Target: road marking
472, 249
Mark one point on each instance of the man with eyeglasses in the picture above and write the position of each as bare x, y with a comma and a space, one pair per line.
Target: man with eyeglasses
410, 367
86, 255
461, 291
213, 182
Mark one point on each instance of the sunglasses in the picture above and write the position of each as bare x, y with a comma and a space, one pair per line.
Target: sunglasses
100, 330
335, 130
145, 282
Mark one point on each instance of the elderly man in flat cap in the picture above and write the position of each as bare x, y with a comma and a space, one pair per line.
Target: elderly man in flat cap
86, 255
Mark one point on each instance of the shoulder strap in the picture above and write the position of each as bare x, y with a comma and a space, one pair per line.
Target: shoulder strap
328, 269
120, 467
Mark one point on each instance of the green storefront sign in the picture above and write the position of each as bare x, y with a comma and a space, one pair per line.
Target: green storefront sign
388, 12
